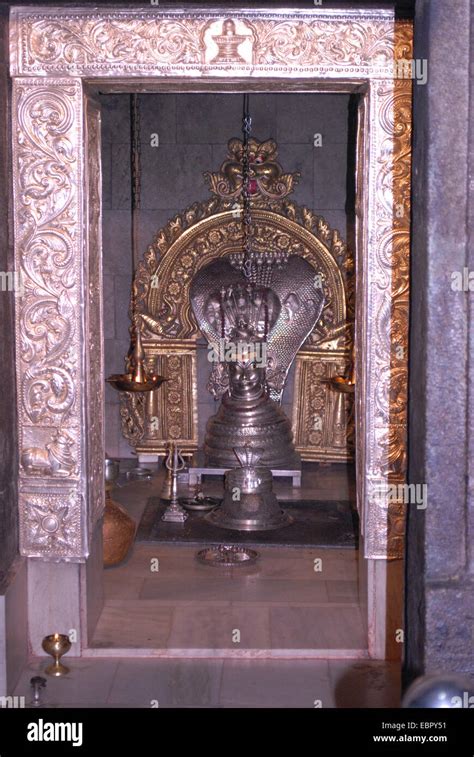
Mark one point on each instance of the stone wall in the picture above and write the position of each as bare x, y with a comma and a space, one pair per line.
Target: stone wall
440, 544
8, 435
193, 130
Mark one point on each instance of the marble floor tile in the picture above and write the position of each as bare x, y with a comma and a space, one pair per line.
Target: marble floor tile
276, 683
142, 602
371, 683
177, 588
148, 560
162, 597
343, 591
328, 627
199, 626
133, 624
87, 681
91, 706
275, 565
339, 565
228, 683
277, 591
122, 585
317, 564
166, 683
236, 588
219, 684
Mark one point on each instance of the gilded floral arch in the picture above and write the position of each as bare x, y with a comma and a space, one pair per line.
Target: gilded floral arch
164, 276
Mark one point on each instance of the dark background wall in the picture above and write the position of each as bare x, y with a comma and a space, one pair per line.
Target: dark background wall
440, 542
193, 131
8, 459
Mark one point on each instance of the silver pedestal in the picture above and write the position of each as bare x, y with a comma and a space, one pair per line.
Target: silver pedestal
174, 513
249, 502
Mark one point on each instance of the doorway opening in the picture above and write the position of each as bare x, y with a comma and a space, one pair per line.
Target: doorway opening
60, 506
305, 592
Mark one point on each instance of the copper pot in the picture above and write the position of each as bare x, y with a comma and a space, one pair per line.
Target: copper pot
118, 532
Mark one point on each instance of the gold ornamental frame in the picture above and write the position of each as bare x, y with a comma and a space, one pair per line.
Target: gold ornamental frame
322, 419
59, 58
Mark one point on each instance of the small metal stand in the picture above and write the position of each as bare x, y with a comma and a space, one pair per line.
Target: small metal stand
167, 488
174, 462
37, 683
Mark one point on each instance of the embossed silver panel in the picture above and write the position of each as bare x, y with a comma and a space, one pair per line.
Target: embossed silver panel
52, 52
121, 42
48, 194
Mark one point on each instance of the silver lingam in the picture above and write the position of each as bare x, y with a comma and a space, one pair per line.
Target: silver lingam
255, 312
247, 413
249, 502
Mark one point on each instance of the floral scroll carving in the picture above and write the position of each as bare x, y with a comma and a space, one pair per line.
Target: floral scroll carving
46, 228
47, 170
130, 42
387, 337
52, 52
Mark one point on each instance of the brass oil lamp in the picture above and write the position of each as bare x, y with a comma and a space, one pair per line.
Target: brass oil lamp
344, 384
137, 379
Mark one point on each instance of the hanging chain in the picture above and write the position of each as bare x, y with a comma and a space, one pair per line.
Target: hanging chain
135, 138
135, 167
246, 211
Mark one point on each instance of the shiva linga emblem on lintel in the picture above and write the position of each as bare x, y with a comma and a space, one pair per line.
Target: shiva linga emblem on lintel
256, 313
228, 43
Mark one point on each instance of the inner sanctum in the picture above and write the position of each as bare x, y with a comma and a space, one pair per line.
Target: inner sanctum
228, 270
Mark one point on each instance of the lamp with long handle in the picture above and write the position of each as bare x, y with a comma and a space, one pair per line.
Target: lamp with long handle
137, 378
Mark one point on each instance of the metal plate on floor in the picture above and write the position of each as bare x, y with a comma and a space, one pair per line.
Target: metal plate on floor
227, 556
139, 474
203, 504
